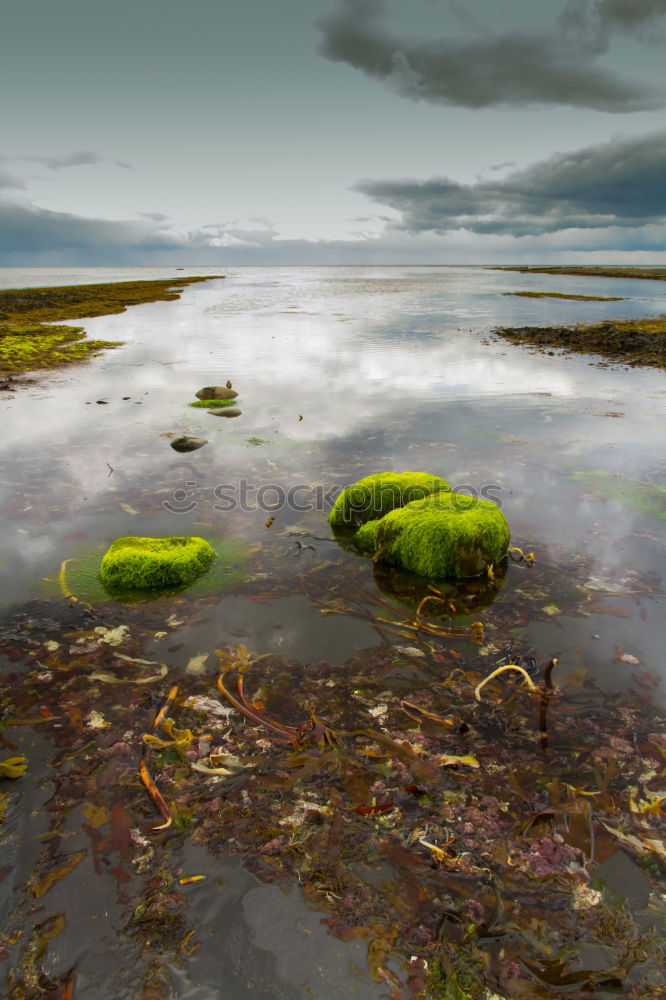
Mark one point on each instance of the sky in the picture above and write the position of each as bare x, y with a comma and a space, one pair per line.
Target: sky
332, 132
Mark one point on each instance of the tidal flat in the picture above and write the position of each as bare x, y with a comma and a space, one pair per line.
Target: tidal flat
636, 341
29, 341
311, 774
593, 271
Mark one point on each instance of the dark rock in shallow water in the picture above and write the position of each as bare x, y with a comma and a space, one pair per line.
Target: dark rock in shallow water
228, 411
186, 442
216, 392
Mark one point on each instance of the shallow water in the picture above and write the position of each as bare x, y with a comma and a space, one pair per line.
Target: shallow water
389, 368
341, 372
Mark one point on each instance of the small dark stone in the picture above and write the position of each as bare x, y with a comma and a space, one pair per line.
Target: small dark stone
216, 392
186, 442
227, 411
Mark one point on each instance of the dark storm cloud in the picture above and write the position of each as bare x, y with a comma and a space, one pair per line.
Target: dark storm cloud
482, 69
594, 22
26, 228
617, 184
612, 194
631, 13
31, 237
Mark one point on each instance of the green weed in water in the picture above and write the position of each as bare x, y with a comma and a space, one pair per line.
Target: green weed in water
216, 404
456, 977
562, 295
645, 497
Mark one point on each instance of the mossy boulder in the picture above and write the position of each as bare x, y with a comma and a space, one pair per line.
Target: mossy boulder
442, 535
366, 537
371, 498
154, 563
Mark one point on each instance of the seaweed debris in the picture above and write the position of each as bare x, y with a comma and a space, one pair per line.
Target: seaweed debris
563, 295
462, 838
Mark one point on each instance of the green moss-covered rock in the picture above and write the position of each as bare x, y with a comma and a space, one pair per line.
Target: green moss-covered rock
371, 498
365, 538
154, 563
443, 535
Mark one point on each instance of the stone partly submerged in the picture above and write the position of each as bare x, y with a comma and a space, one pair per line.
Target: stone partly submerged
228, 411
154, 563
216, 392
444, 535
433, 532
187, 442
374, 496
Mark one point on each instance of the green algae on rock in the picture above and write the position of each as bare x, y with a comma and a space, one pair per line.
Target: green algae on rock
154, 563
365, 538
442, 535
374, 496
208, 404
79, 575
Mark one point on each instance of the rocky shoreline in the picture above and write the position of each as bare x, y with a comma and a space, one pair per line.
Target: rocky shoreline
625, 342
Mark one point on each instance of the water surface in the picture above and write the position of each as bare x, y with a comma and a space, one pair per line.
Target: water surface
340, 372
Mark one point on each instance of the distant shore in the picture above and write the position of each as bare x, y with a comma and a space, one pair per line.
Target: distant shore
29, 343
590, 271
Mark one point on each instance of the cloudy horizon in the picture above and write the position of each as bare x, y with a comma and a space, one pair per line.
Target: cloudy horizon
334, 131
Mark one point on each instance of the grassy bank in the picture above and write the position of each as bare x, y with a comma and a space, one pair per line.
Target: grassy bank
562, 295
590, 271
28, 343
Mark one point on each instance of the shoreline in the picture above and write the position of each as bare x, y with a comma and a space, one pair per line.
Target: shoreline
639, 342
28, 341
29, 344
589, 271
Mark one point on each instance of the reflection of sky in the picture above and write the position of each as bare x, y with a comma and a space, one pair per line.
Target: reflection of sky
386, 367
